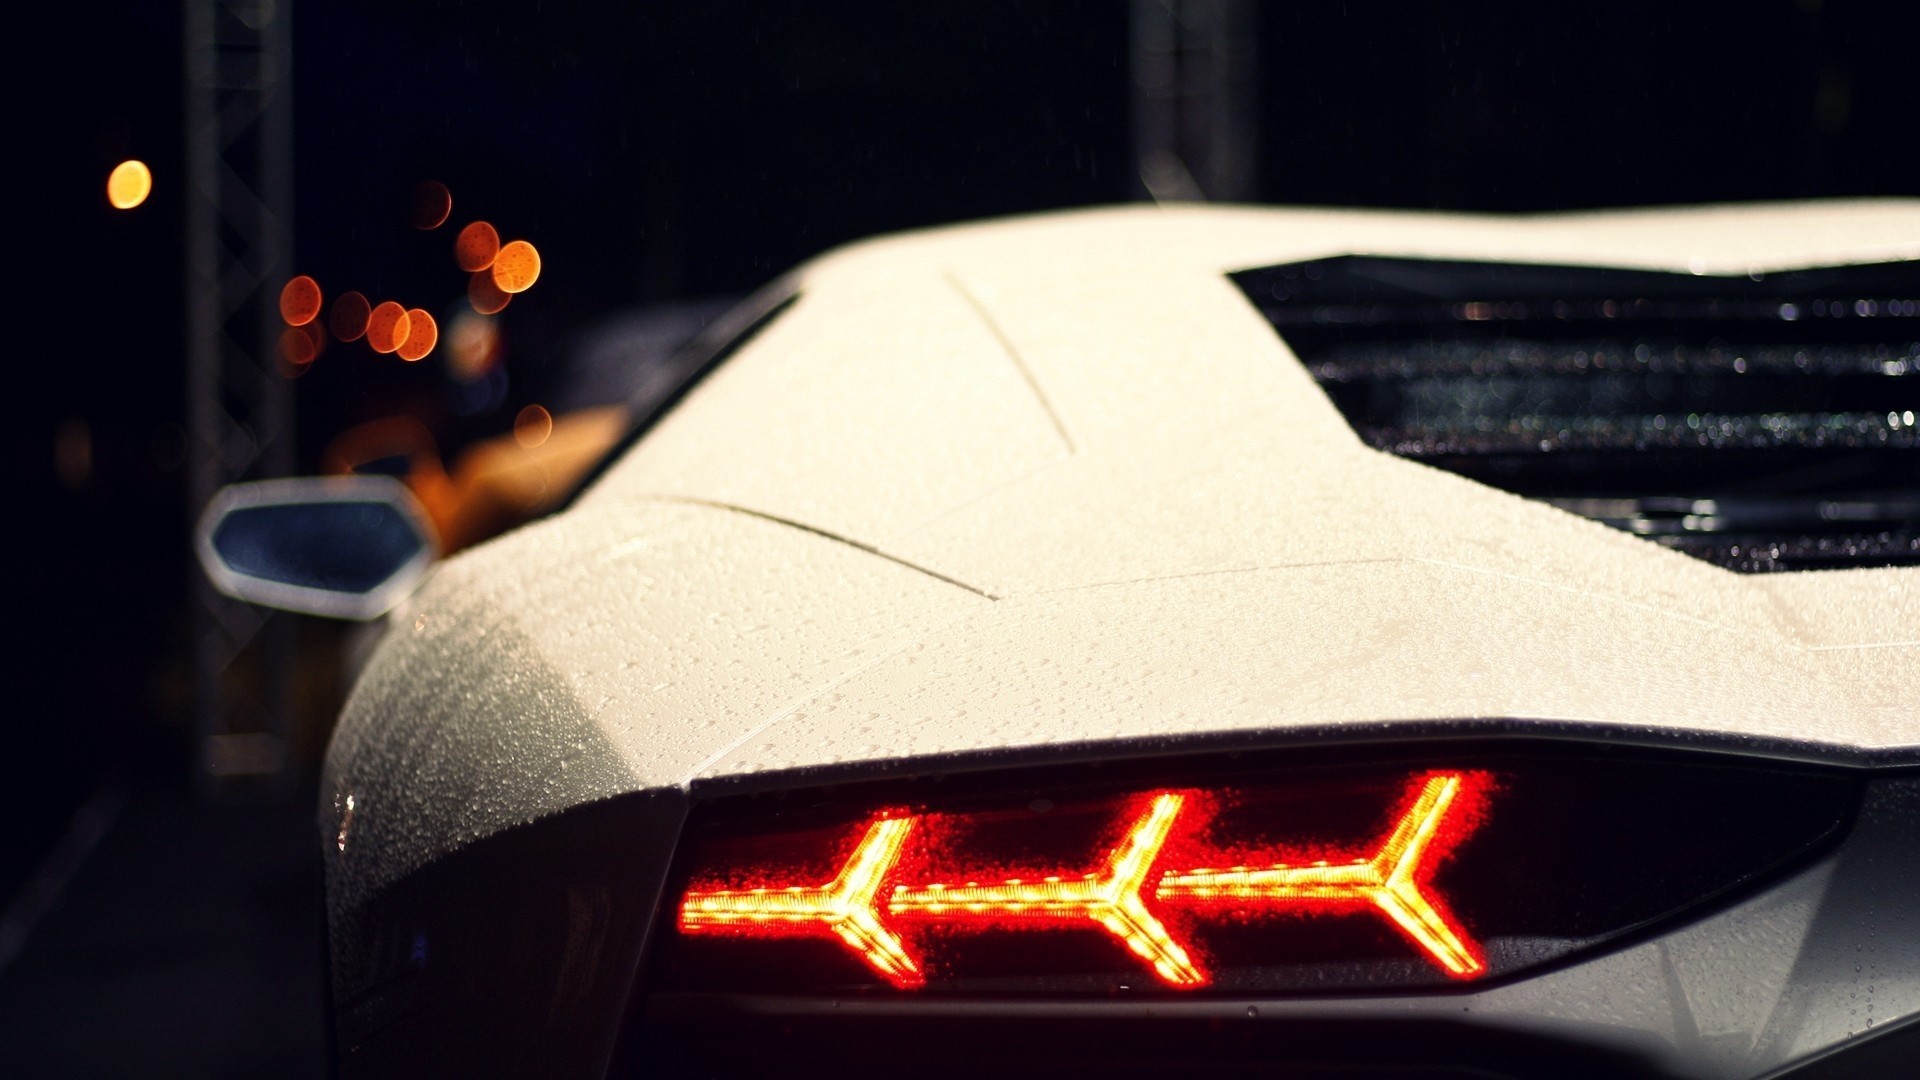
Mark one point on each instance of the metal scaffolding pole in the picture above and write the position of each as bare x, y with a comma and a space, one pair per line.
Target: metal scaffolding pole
1195, 99
239, 230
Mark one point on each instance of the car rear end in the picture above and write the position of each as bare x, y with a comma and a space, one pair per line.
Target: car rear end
1035, 654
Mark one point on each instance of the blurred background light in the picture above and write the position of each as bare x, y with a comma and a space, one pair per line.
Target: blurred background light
387, 327
430, 205
350, 314
485, 295
301, 345
73, 453
516, 267
475, 247
422, 335
129, 184
300, 301
532, 427
481, 395
473, 346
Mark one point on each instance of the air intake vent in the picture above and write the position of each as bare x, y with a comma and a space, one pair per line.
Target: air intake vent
1762, 423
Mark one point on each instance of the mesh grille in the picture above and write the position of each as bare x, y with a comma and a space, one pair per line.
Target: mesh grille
1762, 423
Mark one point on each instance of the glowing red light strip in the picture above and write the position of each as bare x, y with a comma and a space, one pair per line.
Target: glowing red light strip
848, 907
1110, 899
845, 907
1390, 881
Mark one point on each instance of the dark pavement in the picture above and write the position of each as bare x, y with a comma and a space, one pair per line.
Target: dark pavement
187, 942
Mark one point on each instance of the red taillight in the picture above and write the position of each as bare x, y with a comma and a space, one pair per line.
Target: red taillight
1127, 894
848, 907
1110, 898
1390, 880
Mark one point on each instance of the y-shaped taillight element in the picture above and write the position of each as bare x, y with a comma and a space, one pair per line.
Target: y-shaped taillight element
1110, 899
1390, 881
846, 907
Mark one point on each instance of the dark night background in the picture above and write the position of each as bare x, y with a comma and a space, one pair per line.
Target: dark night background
658, 154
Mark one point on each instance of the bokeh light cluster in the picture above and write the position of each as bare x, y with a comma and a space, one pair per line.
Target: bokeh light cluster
496, 272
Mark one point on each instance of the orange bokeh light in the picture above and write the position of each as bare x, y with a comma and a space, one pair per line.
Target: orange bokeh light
296, 347
430, 205
129, 184
300, 346
476, 246
300, 301
422, 335
388, 327
350, 314
533, 426
484, 295
516, 267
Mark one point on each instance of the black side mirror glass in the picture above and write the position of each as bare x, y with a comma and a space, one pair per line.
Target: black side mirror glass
350, 547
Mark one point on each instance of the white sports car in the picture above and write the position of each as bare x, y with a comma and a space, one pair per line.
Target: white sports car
1190, 641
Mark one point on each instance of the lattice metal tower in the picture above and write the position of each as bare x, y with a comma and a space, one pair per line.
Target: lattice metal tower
1196, 99
239, 231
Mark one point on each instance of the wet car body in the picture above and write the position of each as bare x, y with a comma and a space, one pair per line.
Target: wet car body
970, 517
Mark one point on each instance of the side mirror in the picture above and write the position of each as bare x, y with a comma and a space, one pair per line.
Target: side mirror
350, 547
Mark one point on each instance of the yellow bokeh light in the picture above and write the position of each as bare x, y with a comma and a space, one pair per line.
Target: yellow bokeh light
129, 185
